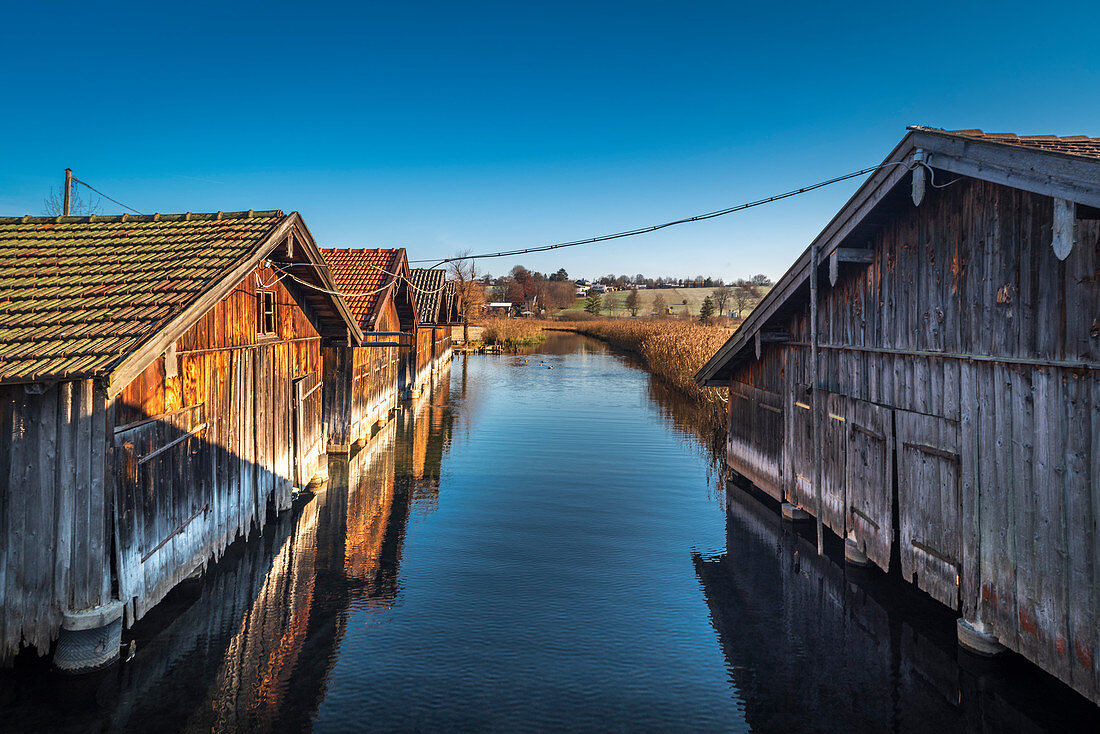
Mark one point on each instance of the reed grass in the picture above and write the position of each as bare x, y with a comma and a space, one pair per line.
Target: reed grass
673, 350
512, 333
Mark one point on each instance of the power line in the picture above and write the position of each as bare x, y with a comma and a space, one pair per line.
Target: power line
655, 227
88, 186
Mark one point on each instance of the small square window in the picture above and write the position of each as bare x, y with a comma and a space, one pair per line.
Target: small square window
265, 313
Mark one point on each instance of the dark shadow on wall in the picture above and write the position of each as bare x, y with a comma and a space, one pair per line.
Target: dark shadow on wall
249, 644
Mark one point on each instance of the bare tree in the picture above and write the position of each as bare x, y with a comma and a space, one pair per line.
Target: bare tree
745, 294
660, 308
632, 304
722, 296
54, 204
471, 294
609, 304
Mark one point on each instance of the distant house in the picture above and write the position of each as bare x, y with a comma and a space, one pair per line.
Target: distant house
363, 382
498, 308
159, 392
951, 419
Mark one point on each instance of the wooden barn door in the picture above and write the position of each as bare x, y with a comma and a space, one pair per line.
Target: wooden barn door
307, 427
163, 495
800, 490
870, 481
930, 503
834, 452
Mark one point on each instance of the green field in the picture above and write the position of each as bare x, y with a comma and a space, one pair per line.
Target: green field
674, 297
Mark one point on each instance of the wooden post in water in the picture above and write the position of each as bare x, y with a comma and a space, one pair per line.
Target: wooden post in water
815, 383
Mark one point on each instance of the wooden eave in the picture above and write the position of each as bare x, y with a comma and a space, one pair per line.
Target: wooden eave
1048, 173
332, 316
409, 315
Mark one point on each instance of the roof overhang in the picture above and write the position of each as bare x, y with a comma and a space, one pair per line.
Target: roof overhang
400, 297
1048, 173
309, 278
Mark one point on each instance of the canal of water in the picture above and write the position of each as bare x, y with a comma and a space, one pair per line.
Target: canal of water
542, 542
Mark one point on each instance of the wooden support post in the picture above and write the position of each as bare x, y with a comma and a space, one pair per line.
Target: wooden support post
815, 382
68, 200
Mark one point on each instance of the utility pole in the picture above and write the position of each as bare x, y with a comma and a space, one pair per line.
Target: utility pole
68, 191
815, 386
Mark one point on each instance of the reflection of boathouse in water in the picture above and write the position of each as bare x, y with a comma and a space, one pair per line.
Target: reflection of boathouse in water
814, 645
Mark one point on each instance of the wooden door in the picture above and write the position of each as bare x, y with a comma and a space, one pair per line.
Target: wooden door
163, 495
834, 451
307, 427
800, 490
930, 503
870, 480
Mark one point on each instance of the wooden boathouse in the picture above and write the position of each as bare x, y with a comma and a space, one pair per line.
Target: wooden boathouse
924, 381
433, 331
160, 390
363, 383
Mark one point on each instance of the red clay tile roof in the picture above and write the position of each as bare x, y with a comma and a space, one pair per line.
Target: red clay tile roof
1079, 145
361, 271
428, 285
77, 294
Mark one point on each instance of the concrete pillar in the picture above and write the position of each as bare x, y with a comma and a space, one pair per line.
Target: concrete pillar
795, 514
978, 638
854, 556
90, 638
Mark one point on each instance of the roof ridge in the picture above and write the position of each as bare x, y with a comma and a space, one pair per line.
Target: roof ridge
978, 133
158, 217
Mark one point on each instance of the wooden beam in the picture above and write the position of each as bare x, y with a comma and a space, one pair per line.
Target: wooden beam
1063, 232
764, 337
847, 255
1041, 172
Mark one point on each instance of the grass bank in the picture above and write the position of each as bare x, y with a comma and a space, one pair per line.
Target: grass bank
674, 350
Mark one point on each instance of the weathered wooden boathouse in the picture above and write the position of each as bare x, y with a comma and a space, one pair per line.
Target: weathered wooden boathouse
433, 331
924, 381
363, 382
159, 390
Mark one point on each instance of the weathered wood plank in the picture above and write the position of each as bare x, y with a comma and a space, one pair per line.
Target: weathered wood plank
68, 423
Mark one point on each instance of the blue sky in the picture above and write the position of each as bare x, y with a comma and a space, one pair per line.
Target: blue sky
482, 126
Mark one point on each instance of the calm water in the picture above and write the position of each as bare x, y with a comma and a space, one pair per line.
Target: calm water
528, 549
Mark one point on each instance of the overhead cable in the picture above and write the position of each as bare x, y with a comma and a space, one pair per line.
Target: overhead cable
655, 227
89, 186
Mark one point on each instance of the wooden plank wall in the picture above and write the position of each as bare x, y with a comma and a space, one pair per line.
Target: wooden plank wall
362, 383
754, 441
54, 521
441, 345
967, 337
202, 455
425, 341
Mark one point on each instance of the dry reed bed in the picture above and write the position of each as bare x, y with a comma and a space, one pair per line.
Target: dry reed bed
673, 350
512, 333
